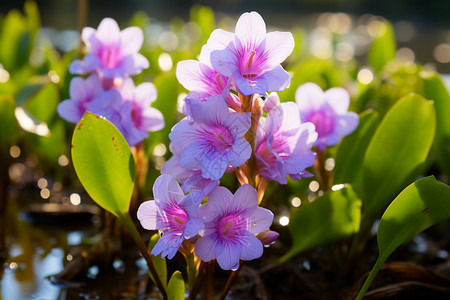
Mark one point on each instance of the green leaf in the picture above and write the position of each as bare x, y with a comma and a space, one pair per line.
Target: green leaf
330, 217
203, 16
397, 151
13, 29
159, 262
421, 205
350, 154
383, 48
43, 103
435, 89
8, 123
175, 289
103, 162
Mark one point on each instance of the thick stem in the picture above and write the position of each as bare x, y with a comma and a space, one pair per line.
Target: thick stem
126, 220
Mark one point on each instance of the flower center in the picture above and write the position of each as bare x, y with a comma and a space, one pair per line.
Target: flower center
109, 56
249, 67
323, 122
221, 139
230, 227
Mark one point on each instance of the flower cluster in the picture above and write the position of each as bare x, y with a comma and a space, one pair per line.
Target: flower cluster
233, 124
227, 223
108, 91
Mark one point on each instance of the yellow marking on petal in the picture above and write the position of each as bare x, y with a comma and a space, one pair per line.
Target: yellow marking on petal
250, 61
178, 220
218, 81
227, 225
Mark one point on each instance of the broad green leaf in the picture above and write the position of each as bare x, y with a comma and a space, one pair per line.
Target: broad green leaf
103, 162
175, 289
8, 123
350, 154
159, 262
43, 103
330, 217
383, 48
396, 152
421, 205
435, 89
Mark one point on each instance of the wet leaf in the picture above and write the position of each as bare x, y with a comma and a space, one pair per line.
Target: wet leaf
175, 289
330, 217
397, 151
383, 48
104, 163
350, 154
159, 262
421, 205
435, 89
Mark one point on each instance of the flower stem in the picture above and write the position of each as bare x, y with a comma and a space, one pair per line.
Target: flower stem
229, 283
252, 104
198, 282
322, 175
126, 220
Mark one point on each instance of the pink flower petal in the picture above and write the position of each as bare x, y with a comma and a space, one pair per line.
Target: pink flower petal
205, 248
251, 29
147, 214
166, 190
338, 98
131, 40
252, 248
108, 31
279, 45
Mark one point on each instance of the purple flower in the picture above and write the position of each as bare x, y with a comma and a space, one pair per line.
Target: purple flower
173, 213
137, 115
251, 56
112, 53
327, 111
213, 140
200, 78
81, 91
231, 222
190, 179
283, 144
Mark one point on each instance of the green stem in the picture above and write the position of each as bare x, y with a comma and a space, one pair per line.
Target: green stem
126, 220
198, 282
369, 279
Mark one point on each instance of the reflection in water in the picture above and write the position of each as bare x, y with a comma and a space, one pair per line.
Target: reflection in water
36, 287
